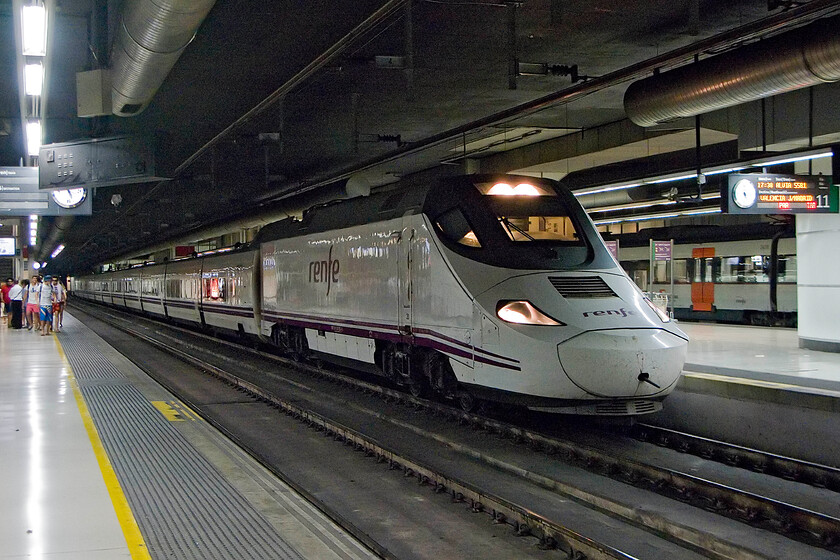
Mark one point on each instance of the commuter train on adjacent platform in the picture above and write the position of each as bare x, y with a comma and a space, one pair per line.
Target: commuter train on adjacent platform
726, 274
479, 287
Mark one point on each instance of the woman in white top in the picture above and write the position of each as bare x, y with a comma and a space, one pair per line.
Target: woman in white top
33, 301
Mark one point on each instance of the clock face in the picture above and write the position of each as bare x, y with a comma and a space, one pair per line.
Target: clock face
69, 198
744, 193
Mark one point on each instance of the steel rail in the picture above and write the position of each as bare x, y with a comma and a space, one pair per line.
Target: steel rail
788, 468
808, 526
524, 521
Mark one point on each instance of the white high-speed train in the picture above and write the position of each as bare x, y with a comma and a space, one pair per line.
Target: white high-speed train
476, 287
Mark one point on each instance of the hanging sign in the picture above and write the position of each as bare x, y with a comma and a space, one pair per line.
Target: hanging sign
764, 193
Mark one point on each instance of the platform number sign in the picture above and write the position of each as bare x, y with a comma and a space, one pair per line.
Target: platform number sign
763, 193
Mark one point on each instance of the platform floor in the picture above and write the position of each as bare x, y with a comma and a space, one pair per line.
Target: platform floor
100, 462
759, 353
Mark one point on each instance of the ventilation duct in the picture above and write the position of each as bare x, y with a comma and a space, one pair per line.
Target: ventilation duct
797, 59
151, 36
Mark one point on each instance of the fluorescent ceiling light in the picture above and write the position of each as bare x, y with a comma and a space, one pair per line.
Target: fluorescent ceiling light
632, 205
33, 137
646, 204
669, 179
608, 188
792, 158
724, 170
33, 78
649, 217
718, 170
34, 30
58, 250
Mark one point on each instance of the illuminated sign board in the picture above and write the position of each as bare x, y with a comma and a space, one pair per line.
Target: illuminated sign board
763, 193
7, 246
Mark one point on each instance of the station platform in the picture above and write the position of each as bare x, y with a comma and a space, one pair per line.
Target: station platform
761, 358
101, 462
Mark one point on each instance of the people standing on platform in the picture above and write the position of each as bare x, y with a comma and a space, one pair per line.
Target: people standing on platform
33, 302
24, 283
58, 304
4, 300
16, 297
47, 297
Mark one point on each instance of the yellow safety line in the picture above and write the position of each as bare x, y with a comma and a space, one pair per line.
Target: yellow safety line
168, 411
133, 537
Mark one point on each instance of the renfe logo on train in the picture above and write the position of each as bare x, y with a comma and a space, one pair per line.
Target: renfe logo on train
623, 312
324, 272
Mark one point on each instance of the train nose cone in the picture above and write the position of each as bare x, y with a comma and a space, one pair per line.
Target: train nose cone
623, 362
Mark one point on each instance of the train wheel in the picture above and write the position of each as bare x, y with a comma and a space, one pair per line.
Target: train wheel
418, 387
466, 401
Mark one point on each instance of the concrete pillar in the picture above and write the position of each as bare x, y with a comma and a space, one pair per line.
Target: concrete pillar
818, 273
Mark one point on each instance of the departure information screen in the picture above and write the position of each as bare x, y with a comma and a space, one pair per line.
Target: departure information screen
763, 193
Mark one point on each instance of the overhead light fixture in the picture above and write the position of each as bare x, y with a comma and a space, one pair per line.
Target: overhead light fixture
792, 158
33, 78
647, 204
34, 30
669, 179
661, 216
716, 170
606, 188
33, 229
699, 212
33, 137
58, 250
720, 171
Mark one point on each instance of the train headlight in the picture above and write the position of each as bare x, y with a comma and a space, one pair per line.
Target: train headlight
523, 313
662, 315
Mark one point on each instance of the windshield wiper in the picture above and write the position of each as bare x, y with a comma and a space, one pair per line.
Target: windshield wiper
510, 225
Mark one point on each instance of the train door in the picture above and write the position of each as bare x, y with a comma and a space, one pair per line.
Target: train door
405, 315
702, 281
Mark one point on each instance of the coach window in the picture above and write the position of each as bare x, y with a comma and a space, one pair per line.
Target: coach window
173, 288
214, 288
455, 226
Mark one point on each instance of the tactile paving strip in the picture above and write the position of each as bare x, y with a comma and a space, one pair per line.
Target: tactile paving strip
183, 505
87, 362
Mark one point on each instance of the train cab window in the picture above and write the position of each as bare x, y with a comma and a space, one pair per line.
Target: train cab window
455, 226
527, 219
538, 228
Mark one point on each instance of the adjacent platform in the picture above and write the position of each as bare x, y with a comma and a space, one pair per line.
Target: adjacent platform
99, 461
760, 354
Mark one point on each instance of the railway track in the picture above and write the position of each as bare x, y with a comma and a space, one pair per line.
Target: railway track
811, 527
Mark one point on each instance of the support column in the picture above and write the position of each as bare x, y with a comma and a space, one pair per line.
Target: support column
818, 274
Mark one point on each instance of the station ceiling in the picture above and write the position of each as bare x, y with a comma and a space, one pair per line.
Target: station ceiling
354, 117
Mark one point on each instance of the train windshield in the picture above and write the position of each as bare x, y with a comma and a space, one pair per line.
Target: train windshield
515, 222
536, 219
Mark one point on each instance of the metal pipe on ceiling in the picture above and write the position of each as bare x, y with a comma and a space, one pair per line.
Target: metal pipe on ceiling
797, 16
59, 227
150, 39
797, 59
